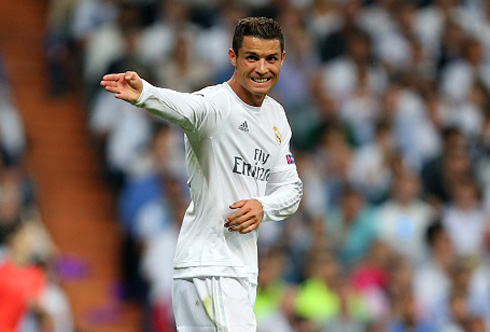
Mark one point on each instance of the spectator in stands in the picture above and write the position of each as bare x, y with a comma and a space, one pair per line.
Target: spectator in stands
272, 293
181, 73
432, 282
394, 46
320, 298
400, 277
350, 229
361, 111
459, 312
21, 282
336, 43
340, 75
472, 280
346, 320
159, 38
377, 18
451, 164
89, 15
403, 219
104, 45
482, 162
465, 219
143, 206
406, 316
370, 279
158, 226
431, 23
459, 76
212, 43
12, 136
371, 168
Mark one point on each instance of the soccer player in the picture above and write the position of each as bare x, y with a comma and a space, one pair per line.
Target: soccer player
240, 173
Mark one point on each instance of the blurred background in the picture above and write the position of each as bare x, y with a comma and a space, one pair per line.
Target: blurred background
389, 101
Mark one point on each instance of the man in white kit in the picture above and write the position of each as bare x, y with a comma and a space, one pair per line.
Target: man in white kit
240, 173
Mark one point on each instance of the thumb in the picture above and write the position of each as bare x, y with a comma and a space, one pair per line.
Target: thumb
130, 76
237, 205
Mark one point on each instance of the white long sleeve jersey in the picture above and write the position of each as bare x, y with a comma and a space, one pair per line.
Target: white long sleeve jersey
234, 151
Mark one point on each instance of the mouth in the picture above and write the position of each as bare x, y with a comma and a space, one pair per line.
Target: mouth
260, 80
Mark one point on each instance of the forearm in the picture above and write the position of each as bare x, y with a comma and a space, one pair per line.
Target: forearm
174, 106
282, 200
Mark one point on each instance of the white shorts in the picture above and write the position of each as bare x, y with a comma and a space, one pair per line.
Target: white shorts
214, 304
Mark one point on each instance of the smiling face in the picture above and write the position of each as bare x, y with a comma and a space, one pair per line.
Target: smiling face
257, 67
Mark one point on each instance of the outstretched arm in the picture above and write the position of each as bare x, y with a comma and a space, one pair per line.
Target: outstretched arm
127, 86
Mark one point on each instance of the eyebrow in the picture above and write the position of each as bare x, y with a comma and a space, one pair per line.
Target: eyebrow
256, 54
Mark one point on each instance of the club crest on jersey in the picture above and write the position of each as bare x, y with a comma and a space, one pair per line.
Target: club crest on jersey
278, 135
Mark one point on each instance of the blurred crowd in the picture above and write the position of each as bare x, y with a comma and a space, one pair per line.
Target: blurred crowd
31, 299
389, 102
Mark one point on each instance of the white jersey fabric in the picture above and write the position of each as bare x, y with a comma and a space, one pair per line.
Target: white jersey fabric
234, 151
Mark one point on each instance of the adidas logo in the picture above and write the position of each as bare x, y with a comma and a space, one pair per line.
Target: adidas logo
244, 127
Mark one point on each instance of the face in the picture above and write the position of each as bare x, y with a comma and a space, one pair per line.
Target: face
257, 68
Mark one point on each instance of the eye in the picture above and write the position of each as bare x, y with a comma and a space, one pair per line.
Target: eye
272, 58
251, 58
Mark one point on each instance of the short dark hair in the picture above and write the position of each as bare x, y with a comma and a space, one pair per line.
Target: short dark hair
260, 27
435, 229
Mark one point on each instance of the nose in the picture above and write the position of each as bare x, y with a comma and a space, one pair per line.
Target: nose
261, 67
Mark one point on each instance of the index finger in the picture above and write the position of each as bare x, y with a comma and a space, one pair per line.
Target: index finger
234, 215
112, 77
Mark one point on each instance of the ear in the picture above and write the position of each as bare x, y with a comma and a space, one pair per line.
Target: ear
232, 56
282, 56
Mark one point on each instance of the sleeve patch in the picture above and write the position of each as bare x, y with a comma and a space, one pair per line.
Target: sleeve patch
290, 159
